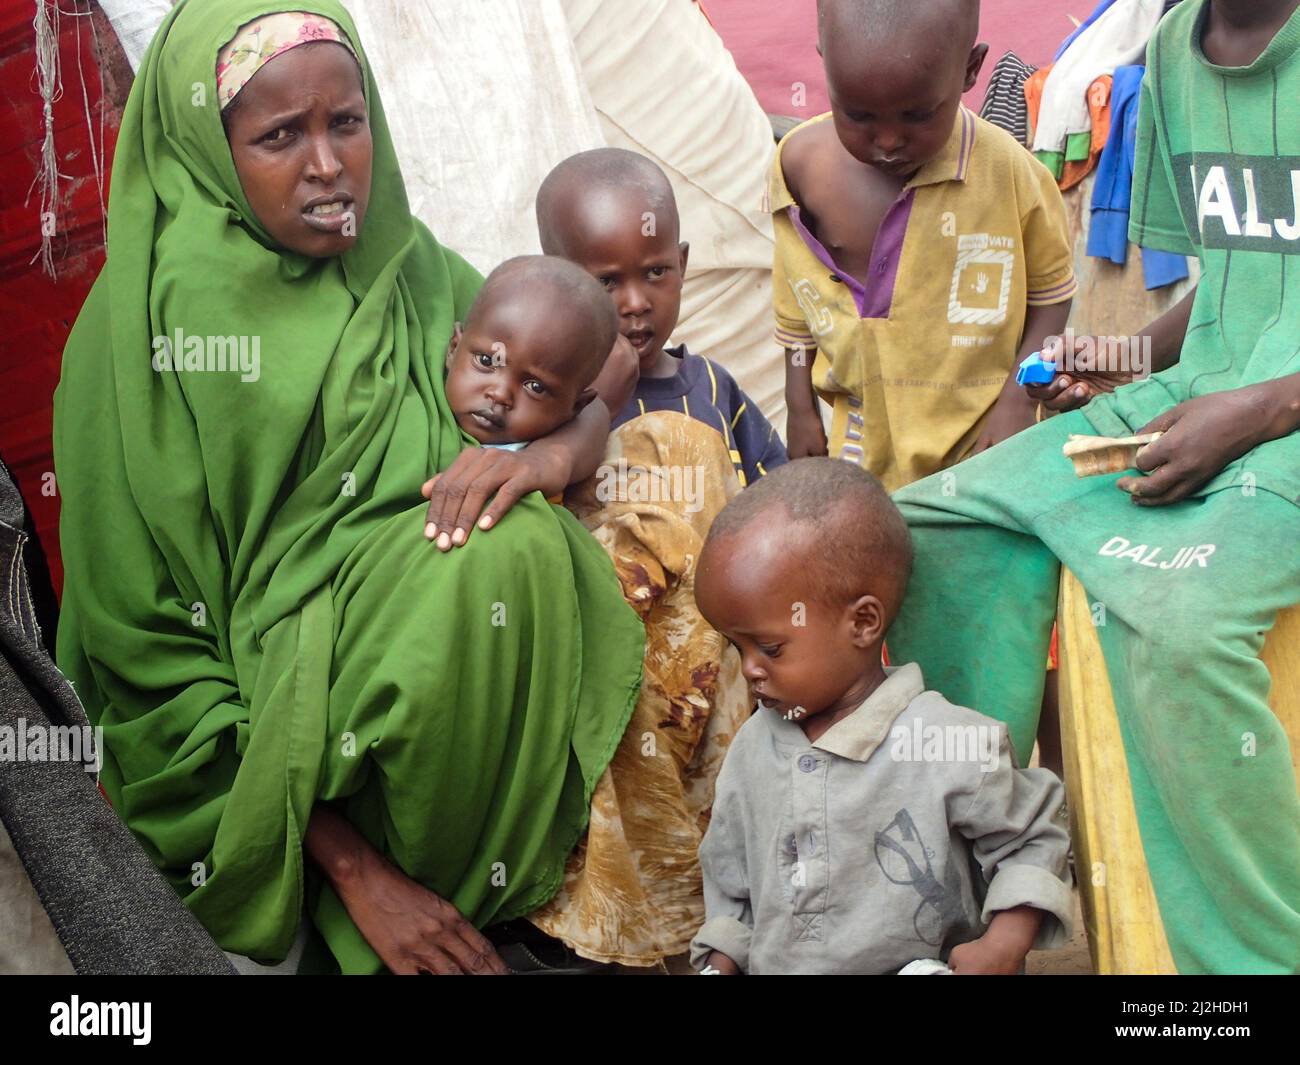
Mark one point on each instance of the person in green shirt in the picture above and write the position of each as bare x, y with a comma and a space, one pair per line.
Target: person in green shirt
307, 705
1189, 558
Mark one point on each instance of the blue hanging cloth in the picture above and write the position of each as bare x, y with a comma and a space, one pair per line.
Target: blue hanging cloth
1113, 191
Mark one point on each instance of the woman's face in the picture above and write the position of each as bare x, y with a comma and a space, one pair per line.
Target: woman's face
300, 138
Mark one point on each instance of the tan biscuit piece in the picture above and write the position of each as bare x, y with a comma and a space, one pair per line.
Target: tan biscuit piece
1094, 456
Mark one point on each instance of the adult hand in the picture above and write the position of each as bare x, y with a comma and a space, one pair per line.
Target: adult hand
459, 495
414, 931
1073, 389
805, 436
1202, 436
1012, 413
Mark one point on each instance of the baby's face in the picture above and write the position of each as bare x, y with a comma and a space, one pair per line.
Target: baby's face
798, 654
515, 371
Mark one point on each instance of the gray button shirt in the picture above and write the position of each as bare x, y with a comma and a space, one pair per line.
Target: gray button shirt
896, 836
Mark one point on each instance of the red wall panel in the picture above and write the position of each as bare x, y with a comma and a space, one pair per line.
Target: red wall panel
39, 311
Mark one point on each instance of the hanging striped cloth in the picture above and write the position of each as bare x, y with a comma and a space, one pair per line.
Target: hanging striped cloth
1004, 103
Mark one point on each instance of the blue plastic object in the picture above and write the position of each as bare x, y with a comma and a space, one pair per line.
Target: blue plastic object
1034, 371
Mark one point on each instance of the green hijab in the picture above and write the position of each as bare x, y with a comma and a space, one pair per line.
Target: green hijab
250, 608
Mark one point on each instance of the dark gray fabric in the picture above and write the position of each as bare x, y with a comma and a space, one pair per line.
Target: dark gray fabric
111, 909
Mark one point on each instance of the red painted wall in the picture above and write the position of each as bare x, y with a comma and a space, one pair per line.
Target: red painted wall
774, 43
38, 312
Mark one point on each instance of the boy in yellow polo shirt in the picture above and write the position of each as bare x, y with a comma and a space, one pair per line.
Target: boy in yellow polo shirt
921, 252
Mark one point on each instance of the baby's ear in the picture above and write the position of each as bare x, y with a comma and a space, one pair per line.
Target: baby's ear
584, 397
685, 250
867, 617
454, 342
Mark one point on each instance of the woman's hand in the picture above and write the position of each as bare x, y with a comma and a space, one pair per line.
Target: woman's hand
411, 929
458, 495
1202, 436
414, 931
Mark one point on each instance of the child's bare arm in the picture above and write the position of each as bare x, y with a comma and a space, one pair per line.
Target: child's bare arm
804, 435
1015, 408
1001, 950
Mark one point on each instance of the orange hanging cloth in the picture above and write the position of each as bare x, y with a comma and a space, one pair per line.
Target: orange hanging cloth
1070, 172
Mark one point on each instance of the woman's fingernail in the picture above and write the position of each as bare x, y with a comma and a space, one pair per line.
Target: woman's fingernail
444, 541
430, 531
458, 537
485, 522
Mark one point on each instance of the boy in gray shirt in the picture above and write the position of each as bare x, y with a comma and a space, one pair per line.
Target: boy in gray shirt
860, 822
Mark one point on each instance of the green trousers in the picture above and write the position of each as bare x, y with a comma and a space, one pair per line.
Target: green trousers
1183, 597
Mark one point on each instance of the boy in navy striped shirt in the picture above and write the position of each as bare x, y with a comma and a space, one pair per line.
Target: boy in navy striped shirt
614, 214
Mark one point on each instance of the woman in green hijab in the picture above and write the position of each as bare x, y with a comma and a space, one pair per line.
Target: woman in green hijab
306, 704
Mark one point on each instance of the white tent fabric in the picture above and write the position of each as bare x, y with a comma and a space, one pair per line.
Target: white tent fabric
135, 22
484, 97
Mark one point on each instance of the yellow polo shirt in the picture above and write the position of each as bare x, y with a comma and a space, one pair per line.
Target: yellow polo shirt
913, 361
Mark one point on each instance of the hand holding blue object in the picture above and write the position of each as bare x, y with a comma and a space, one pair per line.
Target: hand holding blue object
1034, 371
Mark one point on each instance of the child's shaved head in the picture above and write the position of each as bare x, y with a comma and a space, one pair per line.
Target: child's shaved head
614, 214
838, 522
804, 571
584, 184
898, 24
896, 71
524, 361
557, 287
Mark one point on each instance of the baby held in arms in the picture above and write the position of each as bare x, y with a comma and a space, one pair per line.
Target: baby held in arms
524, 361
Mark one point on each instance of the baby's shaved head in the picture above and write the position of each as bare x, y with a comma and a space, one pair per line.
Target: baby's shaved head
898, 22
838, 520
583, 178
563, 288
